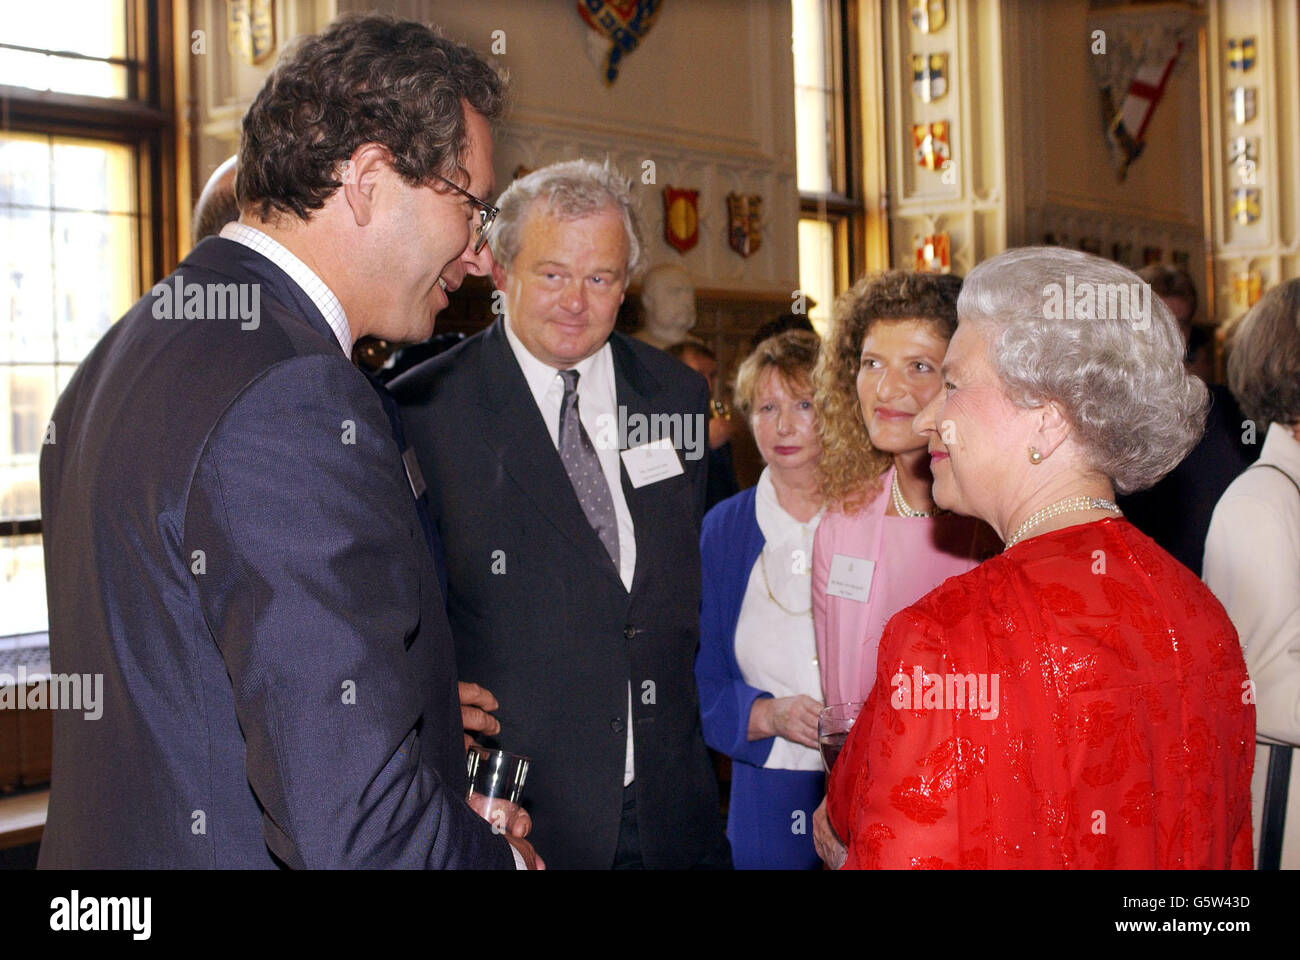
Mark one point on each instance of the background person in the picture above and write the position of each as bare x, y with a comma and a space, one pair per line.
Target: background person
757, 665
722, 427
1252, 562
879, 368
1110, 657
573, 575
882, 542
1176, 511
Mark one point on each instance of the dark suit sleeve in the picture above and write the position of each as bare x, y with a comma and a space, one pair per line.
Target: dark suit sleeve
312, 588
725, 698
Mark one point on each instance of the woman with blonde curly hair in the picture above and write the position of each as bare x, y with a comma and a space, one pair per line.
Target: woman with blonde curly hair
881, 546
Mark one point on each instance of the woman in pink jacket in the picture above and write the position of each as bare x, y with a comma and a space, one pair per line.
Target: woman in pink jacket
881, 546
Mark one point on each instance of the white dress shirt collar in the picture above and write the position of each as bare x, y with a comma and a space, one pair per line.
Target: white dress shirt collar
542, 377
299, 273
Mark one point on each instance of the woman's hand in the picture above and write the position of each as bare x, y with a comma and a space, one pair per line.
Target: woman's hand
829, 848
794, 718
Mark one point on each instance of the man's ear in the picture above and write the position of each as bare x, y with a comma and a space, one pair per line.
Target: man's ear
498, 276
362, 174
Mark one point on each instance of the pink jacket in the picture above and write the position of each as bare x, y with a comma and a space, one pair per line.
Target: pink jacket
906, 557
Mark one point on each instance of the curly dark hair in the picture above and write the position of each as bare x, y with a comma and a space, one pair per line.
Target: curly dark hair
850, 465
366, 78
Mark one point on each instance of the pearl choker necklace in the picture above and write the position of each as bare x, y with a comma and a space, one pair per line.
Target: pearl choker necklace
901, 506
1069, 505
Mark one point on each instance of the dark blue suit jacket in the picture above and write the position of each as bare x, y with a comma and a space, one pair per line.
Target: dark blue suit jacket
541, 617
431, 537
231, 541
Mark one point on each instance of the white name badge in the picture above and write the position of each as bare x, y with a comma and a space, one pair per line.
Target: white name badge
652, 462
850, 577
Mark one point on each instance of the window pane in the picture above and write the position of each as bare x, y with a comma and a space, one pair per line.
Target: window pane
22, 585
27, 393
28, 282
92, 28
813, 96
817, 269
67, 272
94, 278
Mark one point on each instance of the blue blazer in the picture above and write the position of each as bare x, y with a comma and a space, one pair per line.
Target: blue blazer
730, 544
232, 543
769, 817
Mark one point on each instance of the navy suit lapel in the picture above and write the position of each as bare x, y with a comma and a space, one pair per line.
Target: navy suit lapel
520, 439
636, 391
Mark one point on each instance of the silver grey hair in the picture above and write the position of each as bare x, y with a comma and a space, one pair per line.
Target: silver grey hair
571, 190
1264, 362
1119, 379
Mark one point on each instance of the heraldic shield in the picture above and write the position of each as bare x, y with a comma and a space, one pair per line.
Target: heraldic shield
929, 15
624, 23
929, 76
681, 218
251, 28
930, 143
745, 223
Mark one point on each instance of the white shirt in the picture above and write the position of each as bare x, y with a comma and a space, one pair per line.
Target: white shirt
597, 400
776, 649
1252, 564
299, 273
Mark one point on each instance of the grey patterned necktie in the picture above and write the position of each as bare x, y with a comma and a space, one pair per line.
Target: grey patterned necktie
583, 467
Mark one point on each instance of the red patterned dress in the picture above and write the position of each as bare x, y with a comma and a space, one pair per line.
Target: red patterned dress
1079, 701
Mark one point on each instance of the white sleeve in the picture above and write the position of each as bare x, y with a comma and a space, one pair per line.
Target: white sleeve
1252, 564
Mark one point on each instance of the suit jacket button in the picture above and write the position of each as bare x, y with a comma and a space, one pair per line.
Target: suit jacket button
617, 725
629, 632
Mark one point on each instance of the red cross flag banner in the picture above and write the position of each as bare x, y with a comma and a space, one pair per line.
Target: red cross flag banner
1127, 121
624, 23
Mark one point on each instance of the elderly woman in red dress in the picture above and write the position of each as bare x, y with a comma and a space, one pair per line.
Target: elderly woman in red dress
1080, 700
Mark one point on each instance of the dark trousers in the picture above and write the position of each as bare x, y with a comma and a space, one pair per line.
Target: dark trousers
627, 855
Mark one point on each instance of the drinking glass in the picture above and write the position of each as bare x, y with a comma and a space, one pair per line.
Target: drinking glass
833, 726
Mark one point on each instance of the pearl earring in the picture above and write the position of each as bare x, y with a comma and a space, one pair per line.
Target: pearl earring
1035, 456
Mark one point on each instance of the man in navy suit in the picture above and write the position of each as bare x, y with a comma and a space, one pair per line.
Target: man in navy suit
572, 538
230, 530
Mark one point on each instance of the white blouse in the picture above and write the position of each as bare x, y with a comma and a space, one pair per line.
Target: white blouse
1252, 564
776, 648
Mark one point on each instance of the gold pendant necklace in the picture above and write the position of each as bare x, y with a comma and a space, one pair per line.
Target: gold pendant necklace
762, 565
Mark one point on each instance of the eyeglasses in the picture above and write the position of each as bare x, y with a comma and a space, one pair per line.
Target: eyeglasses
487, 214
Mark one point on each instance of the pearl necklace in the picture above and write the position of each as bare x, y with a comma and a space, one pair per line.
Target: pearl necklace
1069, 505
901, 506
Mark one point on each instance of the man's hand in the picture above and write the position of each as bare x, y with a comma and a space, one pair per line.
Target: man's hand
475, 705
829, 847
512, 821
532, 860
505, 817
